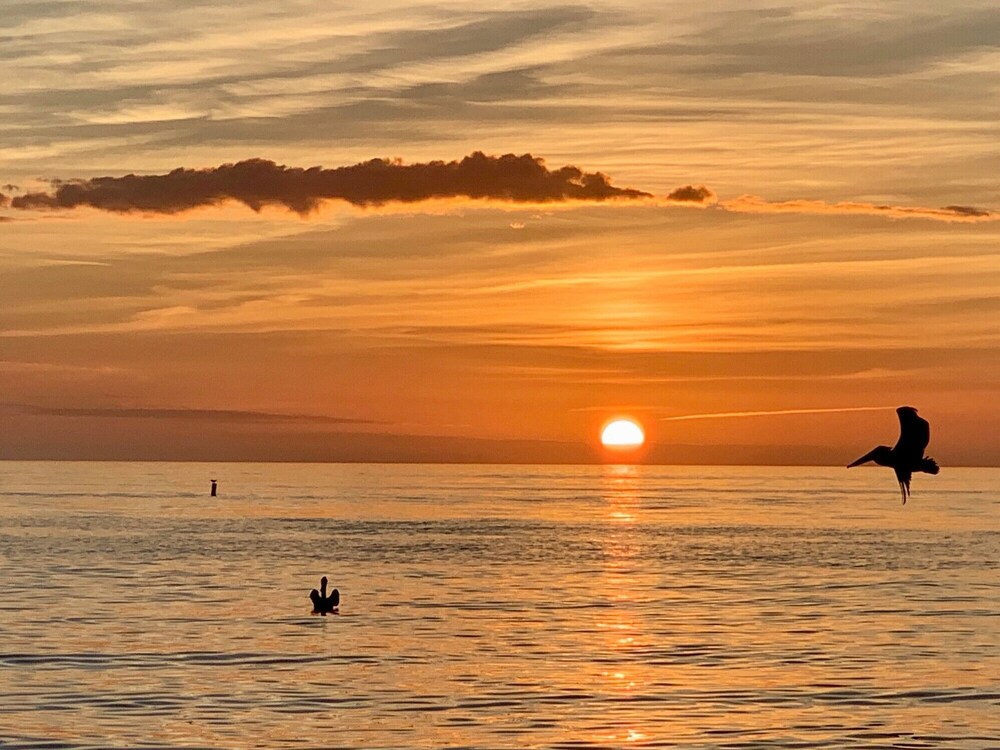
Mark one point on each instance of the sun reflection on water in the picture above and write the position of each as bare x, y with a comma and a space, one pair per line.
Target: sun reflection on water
620, 488
623, 576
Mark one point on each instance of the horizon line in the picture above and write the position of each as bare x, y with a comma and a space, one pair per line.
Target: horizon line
390, 462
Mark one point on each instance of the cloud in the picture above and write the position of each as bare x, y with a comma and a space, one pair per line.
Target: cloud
778, 412
967, 210
799, 41
259, 182
701, 195
755, 204
212, 415
509, 178
691, 194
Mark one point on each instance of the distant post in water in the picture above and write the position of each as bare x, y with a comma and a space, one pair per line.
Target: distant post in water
215, 488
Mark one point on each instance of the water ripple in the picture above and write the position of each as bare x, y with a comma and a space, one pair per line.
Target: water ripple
491, 607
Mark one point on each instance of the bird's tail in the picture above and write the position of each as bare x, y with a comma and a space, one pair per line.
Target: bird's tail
928, 465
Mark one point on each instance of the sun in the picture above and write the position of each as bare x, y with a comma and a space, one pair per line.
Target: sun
622, 434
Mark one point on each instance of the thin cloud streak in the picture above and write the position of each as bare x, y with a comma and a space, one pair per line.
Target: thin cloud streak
258, 183
754, 204
212, 415
779, 412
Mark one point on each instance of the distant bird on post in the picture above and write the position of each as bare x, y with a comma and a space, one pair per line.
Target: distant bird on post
907, 456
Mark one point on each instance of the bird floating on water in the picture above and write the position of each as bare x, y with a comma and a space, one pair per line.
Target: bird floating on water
323, 604
907, 456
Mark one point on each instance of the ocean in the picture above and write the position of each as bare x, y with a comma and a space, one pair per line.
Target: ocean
497, 607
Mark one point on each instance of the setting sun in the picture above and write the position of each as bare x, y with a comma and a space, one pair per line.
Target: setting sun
622, 433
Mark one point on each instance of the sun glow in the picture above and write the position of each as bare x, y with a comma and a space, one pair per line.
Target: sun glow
622, 434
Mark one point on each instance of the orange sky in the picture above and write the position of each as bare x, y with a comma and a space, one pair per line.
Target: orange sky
845, 252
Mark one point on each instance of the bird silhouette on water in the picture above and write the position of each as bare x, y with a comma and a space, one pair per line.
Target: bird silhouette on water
323, 604
907, 456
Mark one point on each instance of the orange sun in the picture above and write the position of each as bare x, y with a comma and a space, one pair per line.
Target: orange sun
622, 434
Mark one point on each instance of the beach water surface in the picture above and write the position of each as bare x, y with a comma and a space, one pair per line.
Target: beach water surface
497, 606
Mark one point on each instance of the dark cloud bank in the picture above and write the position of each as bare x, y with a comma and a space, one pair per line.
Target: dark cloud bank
510, 178
258, 183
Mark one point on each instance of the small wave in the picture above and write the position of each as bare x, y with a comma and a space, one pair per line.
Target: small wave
160, 660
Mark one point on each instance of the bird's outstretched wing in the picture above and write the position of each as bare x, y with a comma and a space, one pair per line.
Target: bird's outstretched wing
914, 434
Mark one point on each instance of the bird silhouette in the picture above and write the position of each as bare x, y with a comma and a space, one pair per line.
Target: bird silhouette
323, 604
907, 456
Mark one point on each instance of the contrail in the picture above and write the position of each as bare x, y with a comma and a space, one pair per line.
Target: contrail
728, 414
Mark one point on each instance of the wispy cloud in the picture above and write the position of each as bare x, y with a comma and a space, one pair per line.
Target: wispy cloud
779, 412
756, 204
212, 415
259, 182
857, 42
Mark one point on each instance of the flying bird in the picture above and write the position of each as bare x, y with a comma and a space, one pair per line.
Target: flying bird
907, 456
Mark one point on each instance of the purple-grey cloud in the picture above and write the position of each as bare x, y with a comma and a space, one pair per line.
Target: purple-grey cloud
259, 182
691, 194
968, 211
509, 178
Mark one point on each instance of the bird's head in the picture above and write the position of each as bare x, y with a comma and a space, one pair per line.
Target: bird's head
906, 410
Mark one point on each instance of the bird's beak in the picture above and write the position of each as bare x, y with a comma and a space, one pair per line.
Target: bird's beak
865, 458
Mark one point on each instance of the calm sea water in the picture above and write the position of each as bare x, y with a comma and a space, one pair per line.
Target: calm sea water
497, 606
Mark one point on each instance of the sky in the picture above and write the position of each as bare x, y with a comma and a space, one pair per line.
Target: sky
459, 231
